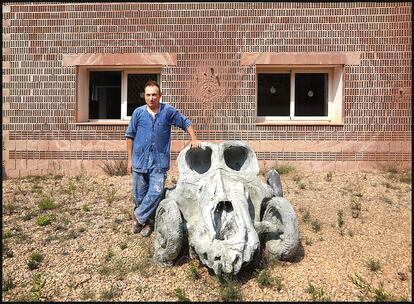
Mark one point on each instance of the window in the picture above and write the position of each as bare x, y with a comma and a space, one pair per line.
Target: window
109, 93
299, 95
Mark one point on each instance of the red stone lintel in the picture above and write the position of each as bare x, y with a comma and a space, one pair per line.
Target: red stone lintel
136, 59
348, 58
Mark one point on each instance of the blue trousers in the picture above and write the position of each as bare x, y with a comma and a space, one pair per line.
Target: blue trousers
148, 191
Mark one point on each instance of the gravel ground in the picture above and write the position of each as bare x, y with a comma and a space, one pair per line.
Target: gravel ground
88, 251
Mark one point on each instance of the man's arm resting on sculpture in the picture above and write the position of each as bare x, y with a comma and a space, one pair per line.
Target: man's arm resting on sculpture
194, 142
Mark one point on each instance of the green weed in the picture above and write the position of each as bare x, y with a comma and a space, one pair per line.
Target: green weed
229, 289
285, 169
111, 293
373, 265
47, 203
180, 295
317, 293
368, 292
43, 220
316, 225
35, 259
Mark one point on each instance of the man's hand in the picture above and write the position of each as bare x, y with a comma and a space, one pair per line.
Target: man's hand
195, 143
129, 167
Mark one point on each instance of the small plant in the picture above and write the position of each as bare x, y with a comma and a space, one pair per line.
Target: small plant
43, 220
109, 255
35, 259
328, 177
302, 185
373, 265
70, 189
340, 220
278, 283
402, 276
115, 168
317, 293
110, 196
104, 270
316, 225
123, 246
370, 293
85, 208
406, 177
7, 234
263, 278
47, 203
193, 272
7, 284
284, 169
180, 295
37, 288
87, 294
110, 294
308, 241
297, 178
355, 209
306, 216
229, 289
37, 189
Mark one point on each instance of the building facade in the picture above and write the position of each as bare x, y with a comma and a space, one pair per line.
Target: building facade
322, 86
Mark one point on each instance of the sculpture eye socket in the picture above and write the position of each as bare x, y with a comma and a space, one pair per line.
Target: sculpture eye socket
236, 157
199, 159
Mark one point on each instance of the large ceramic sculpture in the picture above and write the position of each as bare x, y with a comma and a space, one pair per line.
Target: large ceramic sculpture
221, 207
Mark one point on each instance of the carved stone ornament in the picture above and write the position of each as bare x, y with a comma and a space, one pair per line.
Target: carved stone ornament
223, 210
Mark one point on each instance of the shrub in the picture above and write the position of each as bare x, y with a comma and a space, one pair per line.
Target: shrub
373, 265
229, 290
43, 220
316, 225
317, 293
115, 168
34, 260
284, 169
47, 203
180, 295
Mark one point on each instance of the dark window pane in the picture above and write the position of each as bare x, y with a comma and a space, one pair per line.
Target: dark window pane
311, 94
273, 95
136, 84
105, 95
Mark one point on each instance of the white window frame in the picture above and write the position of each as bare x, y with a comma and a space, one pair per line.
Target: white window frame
335, 103
83, 90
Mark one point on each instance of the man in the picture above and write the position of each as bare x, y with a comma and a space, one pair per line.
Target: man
148, 146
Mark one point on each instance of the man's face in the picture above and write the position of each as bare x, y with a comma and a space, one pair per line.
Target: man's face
152, 97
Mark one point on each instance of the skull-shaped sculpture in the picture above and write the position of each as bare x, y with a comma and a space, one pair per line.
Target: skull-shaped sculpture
224, 210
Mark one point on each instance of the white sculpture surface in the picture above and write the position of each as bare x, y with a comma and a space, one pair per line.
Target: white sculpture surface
223, 210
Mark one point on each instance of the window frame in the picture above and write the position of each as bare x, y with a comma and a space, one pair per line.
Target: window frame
83, 73
335, 93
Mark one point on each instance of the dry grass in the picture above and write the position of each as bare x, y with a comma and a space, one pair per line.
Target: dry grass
87, 251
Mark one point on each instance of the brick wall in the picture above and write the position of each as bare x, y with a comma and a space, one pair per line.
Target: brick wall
208, 82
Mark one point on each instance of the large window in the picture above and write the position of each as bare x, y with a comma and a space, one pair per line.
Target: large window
107, 93
299, 95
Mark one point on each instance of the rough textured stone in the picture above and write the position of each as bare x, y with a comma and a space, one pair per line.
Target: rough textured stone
224, 209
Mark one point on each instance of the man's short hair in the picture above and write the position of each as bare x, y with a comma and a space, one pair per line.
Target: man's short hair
152, 83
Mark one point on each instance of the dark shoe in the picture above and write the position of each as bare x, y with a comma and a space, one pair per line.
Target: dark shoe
136, 226
146, 230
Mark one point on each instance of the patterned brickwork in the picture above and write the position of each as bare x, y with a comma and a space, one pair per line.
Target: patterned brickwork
208, 82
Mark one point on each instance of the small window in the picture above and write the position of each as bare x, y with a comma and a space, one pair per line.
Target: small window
299, 95
111, 93
311, 94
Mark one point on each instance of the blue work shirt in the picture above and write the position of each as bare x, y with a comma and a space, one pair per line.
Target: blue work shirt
151, 136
